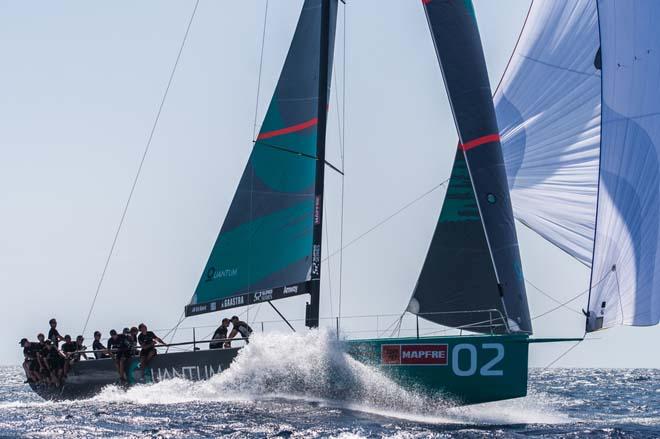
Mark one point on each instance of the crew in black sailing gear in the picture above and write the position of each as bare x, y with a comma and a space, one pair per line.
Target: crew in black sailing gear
220, 334
134, 337
68, 349
53, 335
54, 362
121, 351
80, 349
40, 354
147, 340
30, 364
132, 340
99, 350
239, 327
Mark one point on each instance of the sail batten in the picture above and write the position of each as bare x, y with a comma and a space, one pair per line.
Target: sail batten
266, 247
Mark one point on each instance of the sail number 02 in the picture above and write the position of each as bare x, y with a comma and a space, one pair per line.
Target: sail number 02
487, 369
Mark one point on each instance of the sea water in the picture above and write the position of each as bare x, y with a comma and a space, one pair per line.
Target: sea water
306, 386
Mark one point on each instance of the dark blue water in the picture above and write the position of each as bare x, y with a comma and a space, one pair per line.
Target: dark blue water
276, 395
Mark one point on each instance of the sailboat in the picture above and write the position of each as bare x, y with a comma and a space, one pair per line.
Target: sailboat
583, 131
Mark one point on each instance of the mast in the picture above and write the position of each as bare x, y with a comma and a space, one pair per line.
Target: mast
312, 309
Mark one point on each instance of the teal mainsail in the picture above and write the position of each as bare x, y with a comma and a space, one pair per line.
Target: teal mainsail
269, 244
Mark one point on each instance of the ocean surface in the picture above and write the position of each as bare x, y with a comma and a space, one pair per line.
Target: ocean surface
276, 394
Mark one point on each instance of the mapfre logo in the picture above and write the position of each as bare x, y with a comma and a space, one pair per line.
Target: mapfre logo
422, 354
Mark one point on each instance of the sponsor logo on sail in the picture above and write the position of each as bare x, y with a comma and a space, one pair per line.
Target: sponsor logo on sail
290, 290
213, 273
198, 308
421, 354
260, 296
233, 301
317, 210
316, 260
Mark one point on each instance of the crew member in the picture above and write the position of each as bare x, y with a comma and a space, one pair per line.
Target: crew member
41, 353
147, 340
54, 362
220, 334
239, 327
134, 337
80, 349
53, 335
132, 340
121, 351
30, 364
99, 350
68, 349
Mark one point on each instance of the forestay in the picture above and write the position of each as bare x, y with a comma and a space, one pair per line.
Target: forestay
473, 263
265, 249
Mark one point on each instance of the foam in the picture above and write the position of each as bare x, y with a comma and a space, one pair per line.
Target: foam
313, 366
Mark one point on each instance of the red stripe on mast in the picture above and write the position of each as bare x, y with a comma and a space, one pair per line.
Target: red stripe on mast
490, 138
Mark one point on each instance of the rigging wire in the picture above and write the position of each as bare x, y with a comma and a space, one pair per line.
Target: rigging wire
139, 170
327, 247
566, 352
173, 330
618, 290
388, 218
552, 298
261, 63
563, 304
254, 129
343, 165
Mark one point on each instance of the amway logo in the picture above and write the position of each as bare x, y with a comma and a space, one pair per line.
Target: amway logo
291, 290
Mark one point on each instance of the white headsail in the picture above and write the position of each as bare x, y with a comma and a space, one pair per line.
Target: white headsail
579, 110
626, 263
548, 110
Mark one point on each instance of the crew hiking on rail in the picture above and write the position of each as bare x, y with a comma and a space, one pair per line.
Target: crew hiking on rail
49, 363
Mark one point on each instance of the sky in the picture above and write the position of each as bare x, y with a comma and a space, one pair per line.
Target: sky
81, 83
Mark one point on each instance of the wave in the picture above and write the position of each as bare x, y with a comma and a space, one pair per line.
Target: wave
313, 366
